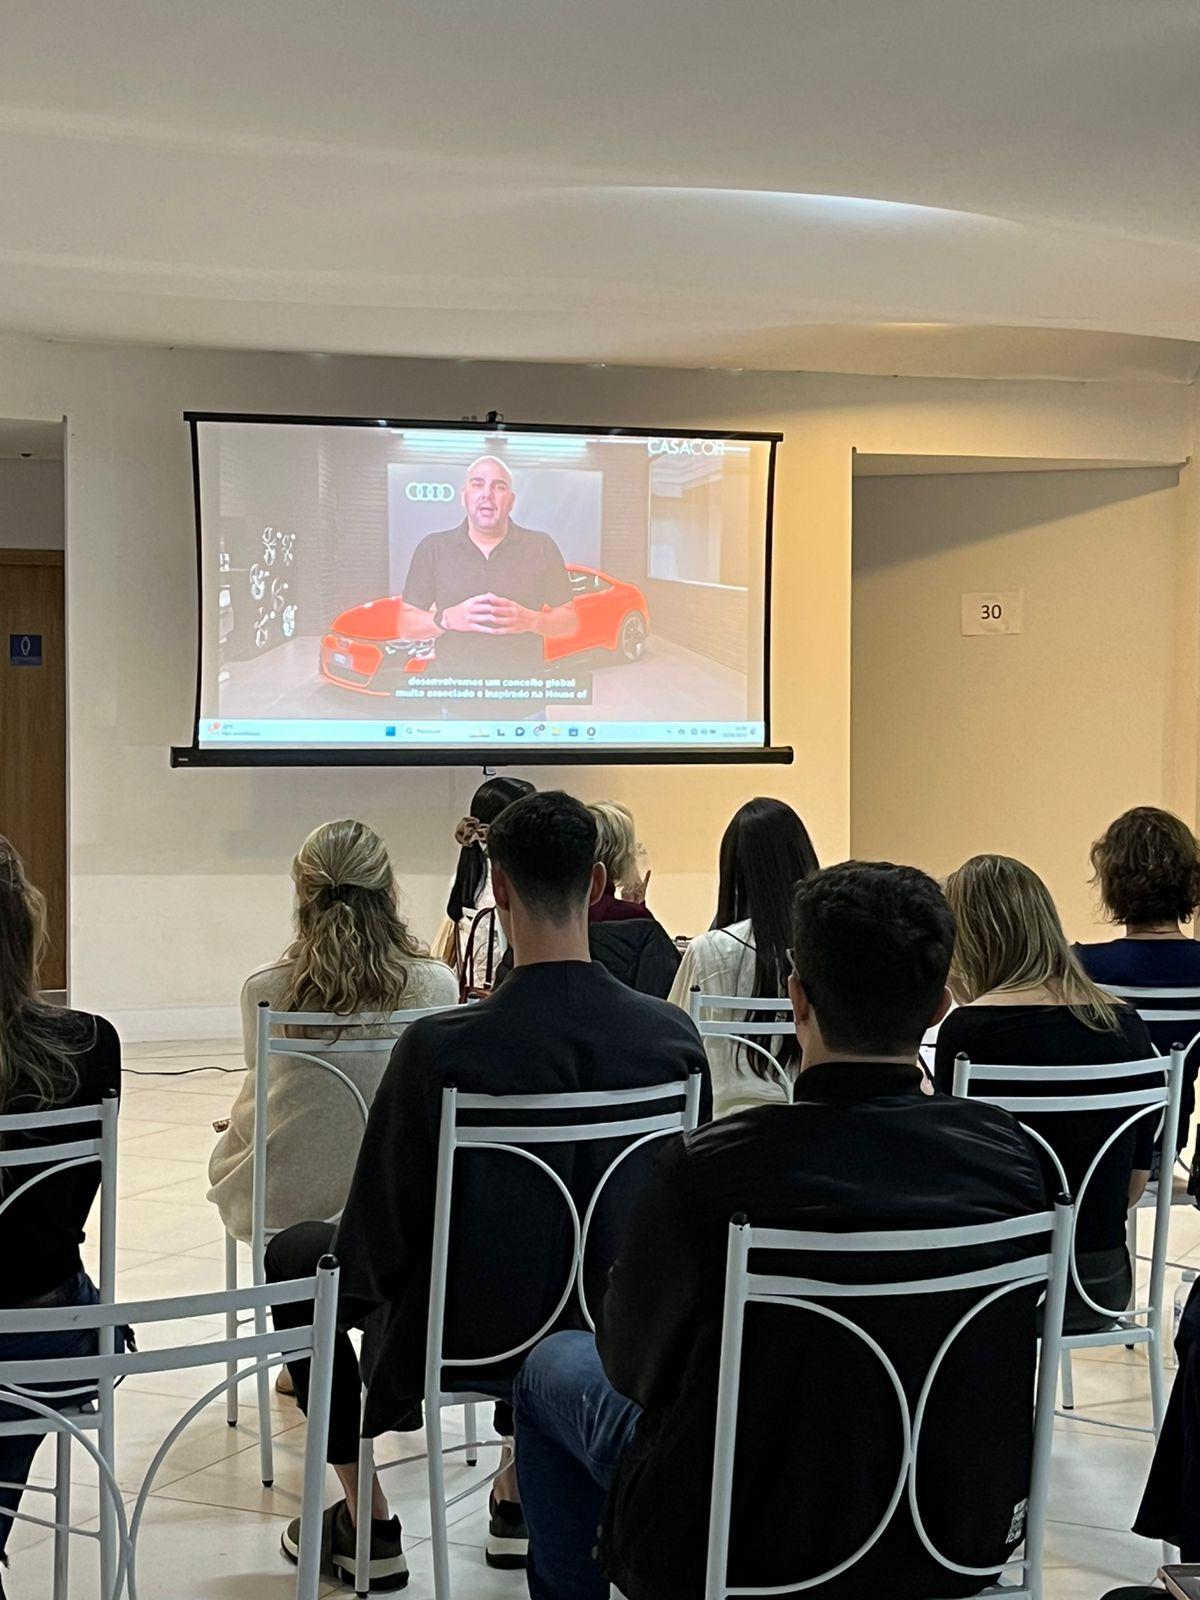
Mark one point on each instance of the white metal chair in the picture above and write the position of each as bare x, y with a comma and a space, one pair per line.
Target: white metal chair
323, 1056
630, 1115
1154, 1090
18, 1380
1164, 1005
1048, 1265
742, 1027
92, 1410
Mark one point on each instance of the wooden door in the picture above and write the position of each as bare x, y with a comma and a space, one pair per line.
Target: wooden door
33, 734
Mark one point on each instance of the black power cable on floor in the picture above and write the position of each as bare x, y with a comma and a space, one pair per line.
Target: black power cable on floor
181, 1072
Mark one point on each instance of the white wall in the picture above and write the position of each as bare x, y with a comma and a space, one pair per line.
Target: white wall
1026, 744
179, 879
31, 505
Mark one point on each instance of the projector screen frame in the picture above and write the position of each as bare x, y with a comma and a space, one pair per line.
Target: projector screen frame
494, 423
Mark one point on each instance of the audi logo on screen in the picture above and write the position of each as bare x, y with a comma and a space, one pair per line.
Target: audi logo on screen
429, 491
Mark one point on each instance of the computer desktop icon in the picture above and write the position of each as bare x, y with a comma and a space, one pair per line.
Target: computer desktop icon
573, 733
539, 728
591, 733
519, 733
389, 732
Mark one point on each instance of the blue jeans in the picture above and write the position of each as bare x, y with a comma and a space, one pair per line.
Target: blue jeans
571, 1428
17, 1451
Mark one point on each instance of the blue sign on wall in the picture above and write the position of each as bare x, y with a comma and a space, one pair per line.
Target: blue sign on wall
24, 649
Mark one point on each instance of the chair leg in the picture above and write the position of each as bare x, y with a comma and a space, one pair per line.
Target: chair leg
107, 1444
362, 1540
471, 1428
1158, 1386
266, 1454
231, 1330
1068, 1385
62, 1512
439, 1533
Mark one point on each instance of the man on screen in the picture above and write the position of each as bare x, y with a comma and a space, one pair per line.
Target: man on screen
489, 591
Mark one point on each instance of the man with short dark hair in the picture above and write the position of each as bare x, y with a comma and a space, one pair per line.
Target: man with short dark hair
617, 1430
559, 1024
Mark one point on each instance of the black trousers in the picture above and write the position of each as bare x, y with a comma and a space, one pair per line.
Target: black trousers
1170, 1508
294, 1253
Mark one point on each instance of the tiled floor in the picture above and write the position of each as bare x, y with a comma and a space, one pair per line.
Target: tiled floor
212, 1531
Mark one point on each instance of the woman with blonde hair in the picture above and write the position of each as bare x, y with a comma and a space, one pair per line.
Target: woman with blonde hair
352, 953
624, 935
50, 1059
1024, 1000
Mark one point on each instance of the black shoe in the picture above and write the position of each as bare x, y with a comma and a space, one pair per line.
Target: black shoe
388, 1569
508, 1537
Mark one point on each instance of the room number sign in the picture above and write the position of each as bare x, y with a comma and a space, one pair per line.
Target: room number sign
993, 611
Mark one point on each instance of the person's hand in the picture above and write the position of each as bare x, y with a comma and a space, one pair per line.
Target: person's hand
476, 615
506, 616
636, 889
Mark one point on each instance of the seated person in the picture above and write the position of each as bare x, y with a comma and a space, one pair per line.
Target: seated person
559, 1023
618, 1430
50, 1060
352, 953
1024, 1000
623, 933
765, 852
1147, 868
470, 938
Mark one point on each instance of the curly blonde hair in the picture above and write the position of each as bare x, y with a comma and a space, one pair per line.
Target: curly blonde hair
352, 949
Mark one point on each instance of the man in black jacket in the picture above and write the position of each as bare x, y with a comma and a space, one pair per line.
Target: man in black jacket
560, 1023
617, 1431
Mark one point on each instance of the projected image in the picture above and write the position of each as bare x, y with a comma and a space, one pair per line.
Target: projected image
414, 585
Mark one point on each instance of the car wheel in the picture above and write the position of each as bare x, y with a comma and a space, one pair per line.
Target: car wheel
631, 637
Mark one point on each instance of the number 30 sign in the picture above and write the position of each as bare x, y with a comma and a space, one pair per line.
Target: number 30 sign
993, 611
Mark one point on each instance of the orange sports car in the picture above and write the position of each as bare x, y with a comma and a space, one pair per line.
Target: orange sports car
364, 649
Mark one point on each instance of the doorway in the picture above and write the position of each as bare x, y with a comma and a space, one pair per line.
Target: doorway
33, 732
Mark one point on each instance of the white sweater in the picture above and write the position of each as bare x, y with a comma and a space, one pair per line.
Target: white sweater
722, 962
314, 1126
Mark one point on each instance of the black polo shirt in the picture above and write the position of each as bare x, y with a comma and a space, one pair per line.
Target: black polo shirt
526, 567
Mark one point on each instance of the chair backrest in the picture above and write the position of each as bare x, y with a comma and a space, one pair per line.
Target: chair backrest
512, 1123
1153, 1090
1044, 1264
322, 1055
19, 1381
61, 1152
743, 1028
1155, 1006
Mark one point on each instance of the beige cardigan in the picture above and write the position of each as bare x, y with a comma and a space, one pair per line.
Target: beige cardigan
314, 1126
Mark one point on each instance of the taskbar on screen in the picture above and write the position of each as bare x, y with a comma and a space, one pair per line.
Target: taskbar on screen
325, 733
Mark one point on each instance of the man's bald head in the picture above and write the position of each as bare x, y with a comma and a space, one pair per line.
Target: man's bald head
488, 497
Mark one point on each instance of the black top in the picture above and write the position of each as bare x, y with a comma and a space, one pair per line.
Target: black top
1052, 1036
449, 567
553, 1027
639, 951
861, 1148
40, 1233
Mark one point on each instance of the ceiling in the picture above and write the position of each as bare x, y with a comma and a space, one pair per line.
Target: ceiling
956, 186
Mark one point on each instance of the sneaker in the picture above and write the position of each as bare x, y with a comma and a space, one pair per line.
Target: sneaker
388, 1569
508, 1537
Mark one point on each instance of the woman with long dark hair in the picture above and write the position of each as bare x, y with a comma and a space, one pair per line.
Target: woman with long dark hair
50, 1059
470, 940
765, 852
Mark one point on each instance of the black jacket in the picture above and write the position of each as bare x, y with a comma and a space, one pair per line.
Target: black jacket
819, 1433
553, 1027
641, 953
